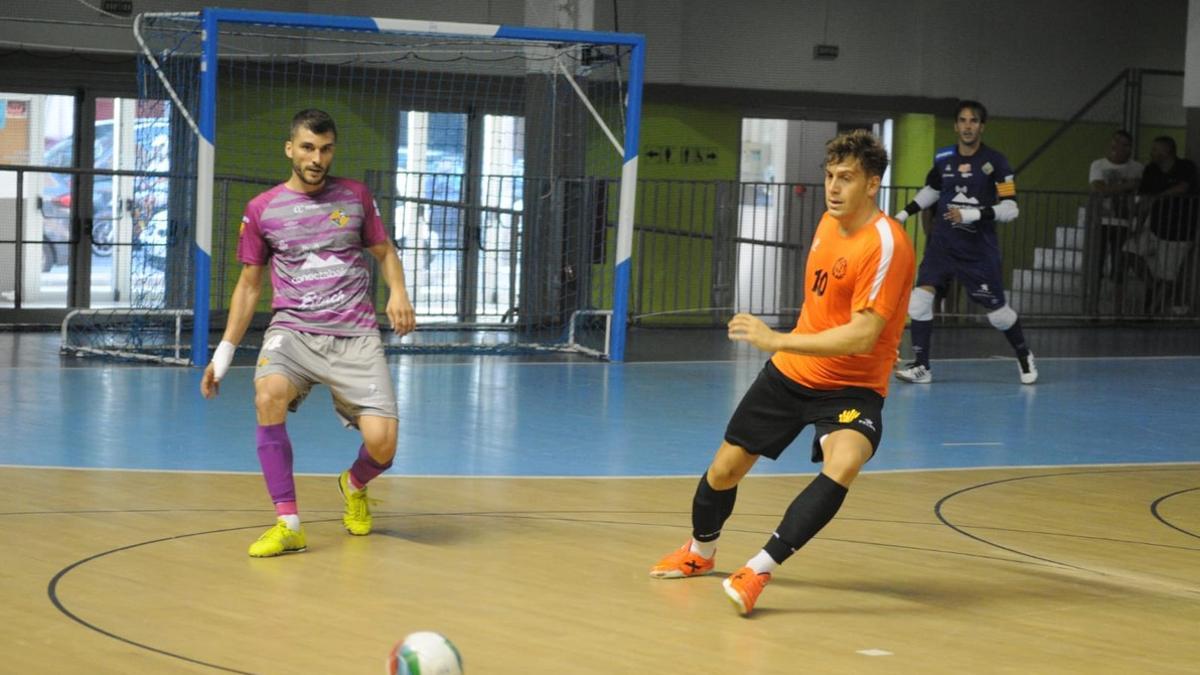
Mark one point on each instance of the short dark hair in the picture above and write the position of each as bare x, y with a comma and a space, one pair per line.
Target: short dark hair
316, 121
976, 106
1123, 134
859, 144
1169, 142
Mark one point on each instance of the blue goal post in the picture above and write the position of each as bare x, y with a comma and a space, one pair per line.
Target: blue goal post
584, 56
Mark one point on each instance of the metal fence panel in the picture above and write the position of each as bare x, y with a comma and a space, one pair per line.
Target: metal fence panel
705, 250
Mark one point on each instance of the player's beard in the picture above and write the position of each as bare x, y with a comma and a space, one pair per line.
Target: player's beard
301, 172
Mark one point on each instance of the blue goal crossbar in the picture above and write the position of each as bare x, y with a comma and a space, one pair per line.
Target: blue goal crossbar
211, 18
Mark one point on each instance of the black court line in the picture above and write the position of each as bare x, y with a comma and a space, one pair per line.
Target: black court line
534, 515
52, 592
77, 512
1164, 521
937, 510
1068, 535
52, 588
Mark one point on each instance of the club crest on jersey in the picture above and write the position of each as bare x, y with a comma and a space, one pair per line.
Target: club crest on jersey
848, 416
339, 216
839, 268
987, 168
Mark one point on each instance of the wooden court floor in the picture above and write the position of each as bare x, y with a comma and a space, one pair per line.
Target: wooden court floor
1048, 570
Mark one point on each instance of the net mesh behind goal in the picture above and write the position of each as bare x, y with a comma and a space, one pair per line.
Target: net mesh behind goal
496, 164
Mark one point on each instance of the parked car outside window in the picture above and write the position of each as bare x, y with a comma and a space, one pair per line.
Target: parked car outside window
54, 202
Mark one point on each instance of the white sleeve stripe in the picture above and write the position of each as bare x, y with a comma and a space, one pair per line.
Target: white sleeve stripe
887, 247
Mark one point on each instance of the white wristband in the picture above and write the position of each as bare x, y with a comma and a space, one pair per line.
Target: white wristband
222, 357
901, 217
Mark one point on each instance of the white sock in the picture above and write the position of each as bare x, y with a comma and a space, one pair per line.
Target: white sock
292, 521
762, 563
704, 549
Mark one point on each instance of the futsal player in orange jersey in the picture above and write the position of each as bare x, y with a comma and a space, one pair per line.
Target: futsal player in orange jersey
831, 372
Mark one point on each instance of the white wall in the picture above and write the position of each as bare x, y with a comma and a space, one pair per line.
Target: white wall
1023, 58
1191, 90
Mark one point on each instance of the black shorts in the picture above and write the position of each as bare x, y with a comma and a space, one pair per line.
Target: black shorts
982, 277
775, 409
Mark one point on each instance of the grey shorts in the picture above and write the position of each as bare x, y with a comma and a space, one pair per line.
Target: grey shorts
354, 368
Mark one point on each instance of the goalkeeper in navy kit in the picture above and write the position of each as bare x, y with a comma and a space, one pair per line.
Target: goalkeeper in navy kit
974, 189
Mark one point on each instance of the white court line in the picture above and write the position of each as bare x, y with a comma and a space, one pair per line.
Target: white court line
1041, 359
1187, 466
581, 363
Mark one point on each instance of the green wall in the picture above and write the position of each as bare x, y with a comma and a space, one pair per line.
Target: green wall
1063, 168
677, 203
678, 195
912, 148
690, 128
250, 143
670, 283
1064, 165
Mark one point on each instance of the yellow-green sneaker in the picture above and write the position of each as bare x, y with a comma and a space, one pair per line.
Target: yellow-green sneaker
357, 517
277, 540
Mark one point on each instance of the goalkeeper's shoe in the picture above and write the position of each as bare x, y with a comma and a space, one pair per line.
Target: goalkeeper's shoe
915, 373
682, 563
278, 540
357, 517
1028, 368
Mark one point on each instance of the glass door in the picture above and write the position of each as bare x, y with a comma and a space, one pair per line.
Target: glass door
429, 210
458, 213
36, 130
501, 190
129, 231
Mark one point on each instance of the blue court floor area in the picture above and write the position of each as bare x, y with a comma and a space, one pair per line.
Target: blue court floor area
499, 416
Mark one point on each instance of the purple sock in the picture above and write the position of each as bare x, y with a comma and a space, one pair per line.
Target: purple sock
365, 468
275, 456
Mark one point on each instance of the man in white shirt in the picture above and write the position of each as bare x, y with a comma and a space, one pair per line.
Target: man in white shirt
1114, 181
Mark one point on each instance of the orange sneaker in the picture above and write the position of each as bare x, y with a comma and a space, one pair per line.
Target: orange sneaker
682, 563
743, 588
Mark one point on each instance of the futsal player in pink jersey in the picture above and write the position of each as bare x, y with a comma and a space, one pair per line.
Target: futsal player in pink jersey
311, 231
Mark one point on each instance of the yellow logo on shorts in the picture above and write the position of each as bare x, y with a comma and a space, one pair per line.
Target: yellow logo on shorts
263, 361
339, 216
848, 416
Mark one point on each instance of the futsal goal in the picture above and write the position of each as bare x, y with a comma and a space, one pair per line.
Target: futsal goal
503, 161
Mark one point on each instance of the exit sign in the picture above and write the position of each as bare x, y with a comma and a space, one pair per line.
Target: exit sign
118, 7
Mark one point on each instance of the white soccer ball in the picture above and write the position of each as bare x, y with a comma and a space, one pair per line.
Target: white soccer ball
424, 653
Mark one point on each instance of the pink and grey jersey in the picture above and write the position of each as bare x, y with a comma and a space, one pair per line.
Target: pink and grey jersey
315, 245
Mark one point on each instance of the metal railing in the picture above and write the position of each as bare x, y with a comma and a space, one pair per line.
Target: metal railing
1131, 80
704, 251
52, 211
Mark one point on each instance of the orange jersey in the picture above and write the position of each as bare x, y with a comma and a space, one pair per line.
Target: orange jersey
870, 269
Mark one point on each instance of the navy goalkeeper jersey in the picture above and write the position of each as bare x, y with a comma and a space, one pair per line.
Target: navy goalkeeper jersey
982, 179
